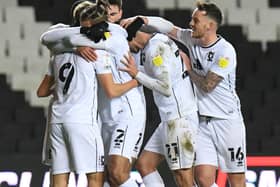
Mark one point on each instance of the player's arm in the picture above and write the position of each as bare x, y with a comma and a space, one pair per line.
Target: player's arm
160, 84
112, 89
58, 35
160, 24
45, 88
105, 78
56, 40
113, 43
206, 83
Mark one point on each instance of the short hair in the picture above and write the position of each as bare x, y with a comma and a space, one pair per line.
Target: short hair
212, 11
116, 2
96, 12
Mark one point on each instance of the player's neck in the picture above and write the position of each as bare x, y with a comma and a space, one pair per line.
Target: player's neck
208, 40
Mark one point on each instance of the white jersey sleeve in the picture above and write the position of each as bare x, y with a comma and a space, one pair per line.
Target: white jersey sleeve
185, 36
59, 34
157, 57
50, 71
225, 62
113, 43
103, 62
57, 39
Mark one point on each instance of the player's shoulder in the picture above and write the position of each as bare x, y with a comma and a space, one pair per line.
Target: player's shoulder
115, 28
159, 45
223, 43
58, 26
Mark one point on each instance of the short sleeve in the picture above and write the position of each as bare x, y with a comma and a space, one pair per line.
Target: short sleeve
103, 62
50, 70
158, 58
225, 62
184, 36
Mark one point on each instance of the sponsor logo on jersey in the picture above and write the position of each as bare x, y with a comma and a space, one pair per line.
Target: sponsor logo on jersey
107, 35
223, 62
157, 61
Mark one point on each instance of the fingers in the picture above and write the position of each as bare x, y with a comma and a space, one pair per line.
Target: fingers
124, 61
87, 53
126, 22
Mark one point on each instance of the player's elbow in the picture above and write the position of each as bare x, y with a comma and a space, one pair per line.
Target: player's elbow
44, 39
110, 93
41, 93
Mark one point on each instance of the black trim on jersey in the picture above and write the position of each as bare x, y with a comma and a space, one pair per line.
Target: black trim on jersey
197, 65
219, 38
177, 104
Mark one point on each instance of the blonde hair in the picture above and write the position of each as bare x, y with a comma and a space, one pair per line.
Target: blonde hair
96, 12
79, 8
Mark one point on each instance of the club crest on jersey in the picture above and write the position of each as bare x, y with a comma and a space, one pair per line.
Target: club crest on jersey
210, 56
157, 61
223, 62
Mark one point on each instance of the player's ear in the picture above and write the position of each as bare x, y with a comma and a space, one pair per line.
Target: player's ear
211, 25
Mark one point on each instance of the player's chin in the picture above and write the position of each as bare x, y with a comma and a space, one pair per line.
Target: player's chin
134, 50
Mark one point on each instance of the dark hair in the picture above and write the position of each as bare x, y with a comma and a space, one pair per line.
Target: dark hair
212, 11
97, 12
116, 2
133, 28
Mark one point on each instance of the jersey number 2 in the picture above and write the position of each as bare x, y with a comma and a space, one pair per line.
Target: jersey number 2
67, 79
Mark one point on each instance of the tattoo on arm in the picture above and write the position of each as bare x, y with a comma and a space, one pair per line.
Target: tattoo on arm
206, 83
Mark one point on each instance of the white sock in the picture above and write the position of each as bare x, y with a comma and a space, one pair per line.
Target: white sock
214, 185
129, 183
153, 179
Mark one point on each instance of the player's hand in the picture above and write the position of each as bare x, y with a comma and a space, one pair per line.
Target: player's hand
126, 22
186, 60
87, 53
130, 65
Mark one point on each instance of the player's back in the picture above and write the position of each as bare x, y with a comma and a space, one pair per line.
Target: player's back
75, 89
181, 101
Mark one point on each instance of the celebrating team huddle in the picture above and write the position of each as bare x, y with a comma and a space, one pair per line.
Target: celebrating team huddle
97, 113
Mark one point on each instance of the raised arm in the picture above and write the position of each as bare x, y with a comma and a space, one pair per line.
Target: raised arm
160, 24
45, 88
57, 39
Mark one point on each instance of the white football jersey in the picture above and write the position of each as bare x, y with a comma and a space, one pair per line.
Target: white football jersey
219, 58
162, 62
76, 87
130, 104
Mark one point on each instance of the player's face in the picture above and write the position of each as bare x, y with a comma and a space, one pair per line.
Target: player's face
133, 45
199, 23
137, 43
114, 13
86, 23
